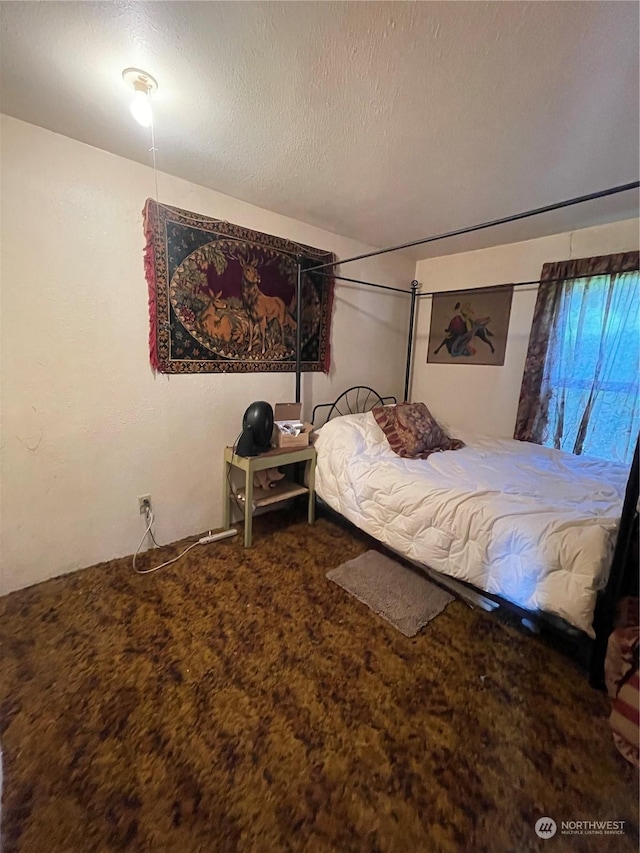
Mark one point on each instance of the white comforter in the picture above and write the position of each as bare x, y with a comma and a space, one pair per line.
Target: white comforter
531, 524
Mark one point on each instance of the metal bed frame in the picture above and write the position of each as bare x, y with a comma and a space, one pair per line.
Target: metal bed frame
346, 401
622, 576
322, 269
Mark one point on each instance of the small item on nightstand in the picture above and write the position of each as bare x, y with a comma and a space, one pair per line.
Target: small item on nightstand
267, 479
257, 427
290, 431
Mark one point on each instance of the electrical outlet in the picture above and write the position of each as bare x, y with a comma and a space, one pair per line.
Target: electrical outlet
144, 501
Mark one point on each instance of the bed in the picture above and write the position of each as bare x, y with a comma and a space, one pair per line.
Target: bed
530, 525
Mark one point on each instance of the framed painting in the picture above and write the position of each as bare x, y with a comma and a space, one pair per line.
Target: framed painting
469, 326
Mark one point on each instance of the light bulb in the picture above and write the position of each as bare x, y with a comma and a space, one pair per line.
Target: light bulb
141, 108
143, 85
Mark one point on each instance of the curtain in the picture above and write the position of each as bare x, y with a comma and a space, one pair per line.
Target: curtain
581, 386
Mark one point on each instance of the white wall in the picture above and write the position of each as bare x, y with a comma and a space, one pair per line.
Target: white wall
485, 398
86, 426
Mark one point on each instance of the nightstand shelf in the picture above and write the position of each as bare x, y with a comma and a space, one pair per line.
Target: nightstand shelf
283, 490
280, 491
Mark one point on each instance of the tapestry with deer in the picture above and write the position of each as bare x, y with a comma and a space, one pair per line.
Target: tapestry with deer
222, 298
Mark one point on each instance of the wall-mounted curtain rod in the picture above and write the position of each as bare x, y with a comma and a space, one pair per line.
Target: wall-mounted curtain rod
516, 284
360, 281
514, 218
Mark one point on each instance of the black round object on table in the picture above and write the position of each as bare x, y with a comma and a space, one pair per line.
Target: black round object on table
257, 427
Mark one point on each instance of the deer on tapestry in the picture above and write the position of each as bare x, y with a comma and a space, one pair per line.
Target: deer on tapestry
262, 310
219, 320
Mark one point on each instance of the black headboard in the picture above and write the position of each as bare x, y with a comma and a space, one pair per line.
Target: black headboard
358, 398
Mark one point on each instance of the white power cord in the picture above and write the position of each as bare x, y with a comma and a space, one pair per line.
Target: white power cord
204, 540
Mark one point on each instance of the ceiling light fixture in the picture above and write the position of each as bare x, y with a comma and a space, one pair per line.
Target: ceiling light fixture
143, 85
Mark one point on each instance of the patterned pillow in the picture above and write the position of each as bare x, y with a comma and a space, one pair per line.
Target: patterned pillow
412, 431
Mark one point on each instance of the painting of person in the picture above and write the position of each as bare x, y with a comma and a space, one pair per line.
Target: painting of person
470, 332
462, 329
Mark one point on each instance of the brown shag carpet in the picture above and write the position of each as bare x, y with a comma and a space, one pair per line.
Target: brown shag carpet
239, 701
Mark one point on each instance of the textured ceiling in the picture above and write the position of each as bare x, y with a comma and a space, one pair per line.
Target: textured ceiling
385, 122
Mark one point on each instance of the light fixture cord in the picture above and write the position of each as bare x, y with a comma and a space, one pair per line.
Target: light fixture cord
153, 151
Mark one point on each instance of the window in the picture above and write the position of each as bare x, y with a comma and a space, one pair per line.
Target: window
592, 371
584, 359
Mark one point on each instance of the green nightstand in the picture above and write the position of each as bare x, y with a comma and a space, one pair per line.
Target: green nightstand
281, 491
